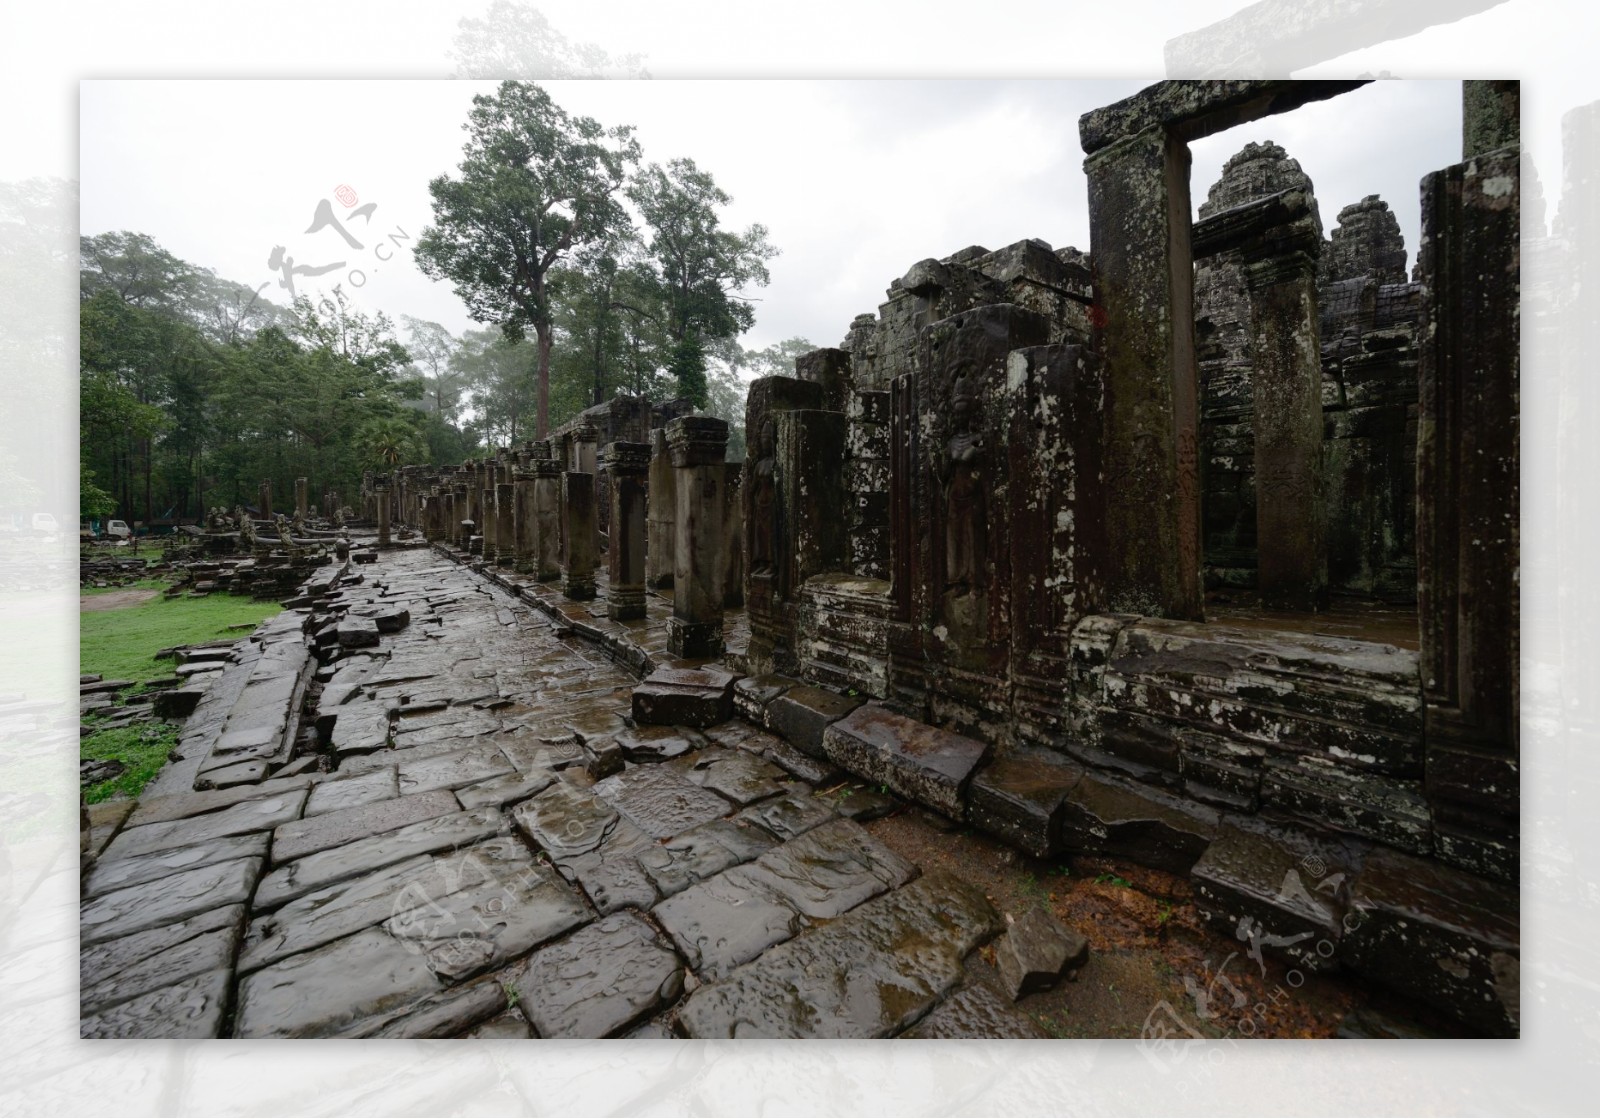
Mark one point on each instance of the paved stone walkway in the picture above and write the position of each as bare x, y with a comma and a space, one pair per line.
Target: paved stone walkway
500, 853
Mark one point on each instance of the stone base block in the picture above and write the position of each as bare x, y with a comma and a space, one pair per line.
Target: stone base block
1018, 799
922, 763
691, 640
1443, 937
753, 694
690, 697
1104, 816
802, 713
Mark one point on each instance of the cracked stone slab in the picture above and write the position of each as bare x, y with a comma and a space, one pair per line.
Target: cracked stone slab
739, 776
508, 788
485, 926
655, 743
102, 963
599, 981
975, 1011
260, 814
333, 989
179, 896
790, 815
852, 977
831, 869
117, 874
564, 821
659, 801
359, 729
920, 762
726, 920
178, 806
351, 792
798, 765
346, 907
299, 838
442, 833
183, 959
450, 1013
192, 1008
450, 771
702, 852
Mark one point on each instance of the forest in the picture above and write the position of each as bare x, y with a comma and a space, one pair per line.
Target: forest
592, 273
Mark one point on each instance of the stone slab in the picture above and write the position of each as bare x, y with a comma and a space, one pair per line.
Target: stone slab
333, 989
101, 963
788, 816
455, 769
299, 838
507, 789
191, 1009
1104, 816
659, 801
726, 920
703, 851
178, 806
117, 874
920, 762
657, 743
976, 1011
354, 791
599, 981
737, 775
180, 896
852, 977
442, 833
830, 870
198, 955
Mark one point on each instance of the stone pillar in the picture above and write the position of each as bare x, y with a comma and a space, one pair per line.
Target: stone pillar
524, 529
660, 553
627, 465
264, 500
1491, 116
733, 536
461, 511
1468, 507
1280, 270
578, 581
546, 519
301, 505
505, 539
486, 527
1143, 317
699, 446
381, 492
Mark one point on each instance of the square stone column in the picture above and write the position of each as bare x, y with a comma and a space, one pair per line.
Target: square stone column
578, 576
1468, 508
524, 528
660, 553
300, 503
381, 495
733, 537
486, 525
1143, 317
627, 465
699, 446
546, 519
264, 500
505, 539
461, 512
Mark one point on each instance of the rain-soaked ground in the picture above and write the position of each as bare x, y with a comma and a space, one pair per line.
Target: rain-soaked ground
481, 844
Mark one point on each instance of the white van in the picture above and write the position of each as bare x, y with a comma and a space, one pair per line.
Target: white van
118, 530
44, 524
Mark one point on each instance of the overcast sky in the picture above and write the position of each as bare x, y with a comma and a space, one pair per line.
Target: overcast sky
856, 180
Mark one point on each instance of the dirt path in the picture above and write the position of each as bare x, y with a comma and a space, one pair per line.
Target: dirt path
116, 600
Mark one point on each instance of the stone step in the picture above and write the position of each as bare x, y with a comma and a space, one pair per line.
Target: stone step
682, 696
920, 762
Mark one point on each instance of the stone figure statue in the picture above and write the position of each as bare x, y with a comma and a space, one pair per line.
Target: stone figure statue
247, 526
966, 503
283, 532
763, 501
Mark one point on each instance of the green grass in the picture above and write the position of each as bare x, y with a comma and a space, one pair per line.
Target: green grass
121, 644
142, 749
138, 584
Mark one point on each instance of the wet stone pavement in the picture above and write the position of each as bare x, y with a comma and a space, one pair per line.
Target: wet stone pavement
497, 851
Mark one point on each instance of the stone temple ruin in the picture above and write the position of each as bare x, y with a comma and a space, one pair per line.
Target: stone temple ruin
1198, 550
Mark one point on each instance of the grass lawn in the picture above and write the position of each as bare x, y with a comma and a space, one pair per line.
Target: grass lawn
151, 583
121, 644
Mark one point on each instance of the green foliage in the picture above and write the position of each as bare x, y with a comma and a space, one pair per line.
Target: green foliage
1114, 880
92, 500
142, 750
536, 185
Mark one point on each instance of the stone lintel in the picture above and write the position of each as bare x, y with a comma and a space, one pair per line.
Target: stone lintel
625, 458
697, 440
1280, 223
1193, 109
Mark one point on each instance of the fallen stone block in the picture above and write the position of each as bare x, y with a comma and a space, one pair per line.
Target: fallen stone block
1102, 815
356, 633
753, 694
920, 762
1036, 952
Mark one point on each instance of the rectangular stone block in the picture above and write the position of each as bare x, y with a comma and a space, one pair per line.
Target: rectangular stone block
802, 713
920, 762
1018, 799
1102, 815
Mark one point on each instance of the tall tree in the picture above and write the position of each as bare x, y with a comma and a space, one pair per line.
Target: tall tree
699, 267
431, 347
536, 184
